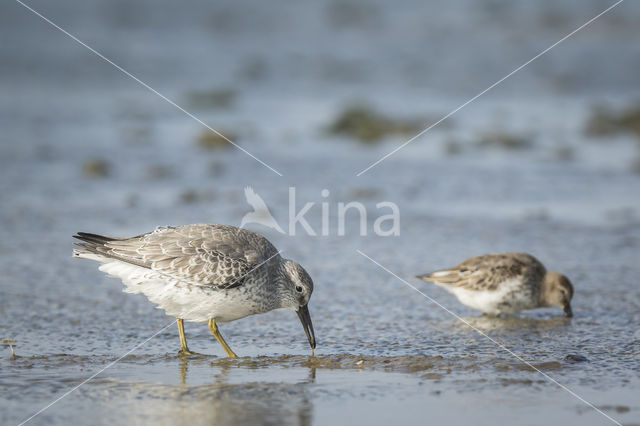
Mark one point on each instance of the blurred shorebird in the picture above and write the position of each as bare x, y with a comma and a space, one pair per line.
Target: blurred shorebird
505, 283
204, 273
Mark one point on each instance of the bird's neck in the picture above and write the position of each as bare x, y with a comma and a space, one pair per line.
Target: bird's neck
545, 289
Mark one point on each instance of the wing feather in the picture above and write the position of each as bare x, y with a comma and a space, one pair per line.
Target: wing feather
216, 256
487, 272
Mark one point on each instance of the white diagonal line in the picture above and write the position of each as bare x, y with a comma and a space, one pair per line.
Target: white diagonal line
111, 364
145, 85
500, 345
490, 87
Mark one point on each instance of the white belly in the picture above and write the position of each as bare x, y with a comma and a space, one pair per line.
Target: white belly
180, 300
509, 297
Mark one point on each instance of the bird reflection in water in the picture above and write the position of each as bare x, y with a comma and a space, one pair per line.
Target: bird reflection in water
222, 402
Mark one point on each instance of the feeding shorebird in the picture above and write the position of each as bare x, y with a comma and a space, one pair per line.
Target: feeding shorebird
505, 283
204, 273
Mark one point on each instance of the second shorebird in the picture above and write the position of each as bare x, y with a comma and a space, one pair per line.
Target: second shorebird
204, 273
505, 283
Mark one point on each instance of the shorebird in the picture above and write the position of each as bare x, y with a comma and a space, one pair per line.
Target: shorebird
204, 273
504, 283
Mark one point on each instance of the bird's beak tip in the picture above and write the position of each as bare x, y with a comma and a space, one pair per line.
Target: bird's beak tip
567, 311
305, 319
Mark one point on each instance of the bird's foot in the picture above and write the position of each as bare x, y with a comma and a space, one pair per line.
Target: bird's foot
230, 353
187, 352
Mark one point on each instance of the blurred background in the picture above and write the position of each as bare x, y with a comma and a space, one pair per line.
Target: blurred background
547, 162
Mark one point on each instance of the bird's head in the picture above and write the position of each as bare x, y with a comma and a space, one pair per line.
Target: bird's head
557, 290
295, 291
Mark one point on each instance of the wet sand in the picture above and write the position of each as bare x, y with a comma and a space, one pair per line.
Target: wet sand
85, 149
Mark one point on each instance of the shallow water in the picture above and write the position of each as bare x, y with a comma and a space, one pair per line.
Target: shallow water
86, 149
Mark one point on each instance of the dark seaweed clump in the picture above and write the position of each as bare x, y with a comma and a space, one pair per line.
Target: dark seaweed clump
367, 125
212, 140
96, 168
212, 99
605, 122
501, 139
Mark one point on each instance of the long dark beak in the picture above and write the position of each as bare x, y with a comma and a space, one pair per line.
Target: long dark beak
567, 310
305, 319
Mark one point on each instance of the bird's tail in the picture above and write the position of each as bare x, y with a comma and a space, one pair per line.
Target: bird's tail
444, 276
92, 245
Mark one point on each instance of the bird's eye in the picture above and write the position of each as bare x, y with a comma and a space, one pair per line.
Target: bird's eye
299, 289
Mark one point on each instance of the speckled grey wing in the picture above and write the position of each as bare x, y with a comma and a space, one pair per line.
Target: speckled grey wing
487, 272
216, 256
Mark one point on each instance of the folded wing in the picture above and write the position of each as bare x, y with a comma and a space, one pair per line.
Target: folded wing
215, 256
486, 272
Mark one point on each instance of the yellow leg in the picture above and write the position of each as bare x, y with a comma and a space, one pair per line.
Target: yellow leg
184, 350
214, 330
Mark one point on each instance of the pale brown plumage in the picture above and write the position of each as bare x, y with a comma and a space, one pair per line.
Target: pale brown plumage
488, 271
504, 283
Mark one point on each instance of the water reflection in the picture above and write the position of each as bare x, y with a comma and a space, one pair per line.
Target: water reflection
220, 401
523, 324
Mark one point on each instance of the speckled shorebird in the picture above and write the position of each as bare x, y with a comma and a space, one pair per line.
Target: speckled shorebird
505, 283
204, 273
